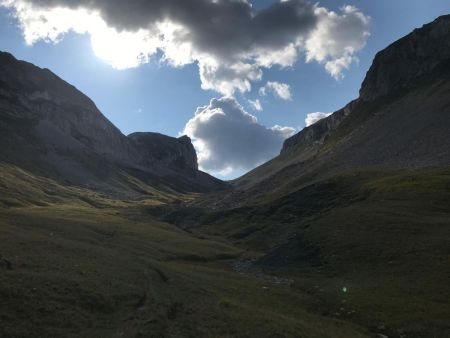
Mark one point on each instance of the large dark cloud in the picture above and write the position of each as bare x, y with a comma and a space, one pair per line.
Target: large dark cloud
228, 138
230, 41
217, 27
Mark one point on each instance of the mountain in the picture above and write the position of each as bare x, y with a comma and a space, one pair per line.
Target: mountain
345, 234
50, 128
400, 121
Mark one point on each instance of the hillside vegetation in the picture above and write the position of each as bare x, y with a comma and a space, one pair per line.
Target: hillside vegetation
97, 267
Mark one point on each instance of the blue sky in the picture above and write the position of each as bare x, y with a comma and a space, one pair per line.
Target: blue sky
158, 97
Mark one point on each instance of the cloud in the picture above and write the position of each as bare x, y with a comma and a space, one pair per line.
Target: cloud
256, 104
228, 139
336, 38
312, 118
281, 90
230, 41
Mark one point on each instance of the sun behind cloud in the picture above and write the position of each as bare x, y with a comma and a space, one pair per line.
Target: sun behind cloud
231, 43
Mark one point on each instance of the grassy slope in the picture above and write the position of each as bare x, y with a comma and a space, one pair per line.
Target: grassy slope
383, 235
20, 188
86, 266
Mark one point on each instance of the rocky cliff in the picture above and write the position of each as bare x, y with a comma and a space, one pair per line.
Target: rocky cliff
63, 117
400, 66
402, 63
315, 135
157, 149
49, 127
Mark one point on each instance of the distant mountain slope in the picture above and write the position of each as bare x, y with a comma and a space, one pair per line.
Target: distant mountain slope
401, 120
50, 128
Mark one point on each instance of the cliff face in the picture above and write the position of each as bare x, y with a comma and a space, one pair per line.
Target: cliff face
409, 58
315, 135
397, 67
49, 127
64, 119
177, 153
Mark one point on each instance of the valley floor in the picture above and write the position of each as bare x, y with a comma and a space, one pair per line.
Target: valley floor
77, 264
86, 272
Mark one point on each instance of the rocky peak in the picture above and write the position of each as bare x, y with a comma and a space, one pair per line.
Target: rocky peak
396, 67
407, 59
60, 111
175, 153
39, 83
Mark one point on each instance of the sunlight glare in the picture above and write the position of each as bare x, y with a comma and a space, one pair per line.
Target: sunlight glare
122, 50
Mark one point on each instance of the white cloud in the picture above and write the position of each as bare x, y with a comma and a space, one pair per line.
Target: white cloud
281, 90
226, 79
230, 41
256, 104
336, 38
312, 118
336, 67
229, 139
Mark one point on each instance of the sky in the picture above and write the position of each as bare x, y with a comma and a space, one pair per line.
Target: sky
237, 76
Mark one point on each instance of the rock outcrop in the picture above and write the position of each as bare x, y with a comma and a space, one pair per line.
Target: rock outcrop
402, 63
315, 135
176, 153
397, 67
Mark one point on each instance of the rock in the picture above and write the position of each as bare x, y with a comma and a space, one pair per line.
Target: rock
313, 136
394, 68
6, 264
415, 55
176, 153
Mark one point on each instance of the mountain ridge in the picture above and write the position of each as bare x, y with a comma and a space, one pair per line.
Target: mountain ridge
365, 132
385, 77
72, 138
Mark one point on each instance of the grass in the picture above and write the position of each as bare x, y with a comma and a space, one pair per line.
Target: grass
88, 266
384, 235
91, 266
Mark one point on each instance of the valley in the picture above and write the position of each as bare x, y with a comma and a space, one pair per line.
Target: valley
345, 234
